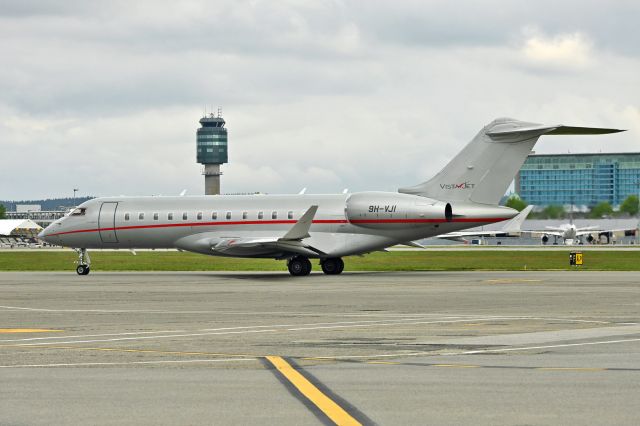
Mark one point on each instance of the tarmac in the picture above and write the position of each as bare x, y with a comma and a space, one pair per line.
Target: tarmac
446, 348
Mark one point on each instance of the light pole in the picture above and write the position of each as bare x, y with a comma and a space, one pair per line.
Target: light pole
74, 196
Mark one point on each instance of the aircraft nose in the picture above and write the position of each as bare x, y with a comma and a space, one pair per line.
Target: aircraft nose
44, 235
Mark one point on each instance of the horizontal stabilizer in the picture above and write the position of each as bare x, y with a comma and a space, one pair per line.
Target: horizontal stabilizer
525, 132
571, 130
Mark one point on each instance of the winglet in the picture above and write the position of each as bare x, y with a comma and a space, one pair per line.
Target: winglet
514, 224
300, 229
413, 244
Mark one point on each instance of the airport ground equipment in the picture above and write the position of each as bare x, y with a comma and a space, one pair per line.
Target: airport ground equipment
296, 228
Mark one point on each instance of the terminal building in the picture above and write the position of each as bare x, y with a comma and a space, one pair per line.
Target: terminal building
578, 179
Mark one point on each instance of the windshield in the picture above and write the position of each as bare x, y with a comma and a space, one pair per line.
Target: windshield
78, 211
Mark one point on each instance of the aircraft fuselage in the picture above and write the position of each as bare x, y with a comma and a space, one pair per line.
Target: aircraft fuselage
344, 224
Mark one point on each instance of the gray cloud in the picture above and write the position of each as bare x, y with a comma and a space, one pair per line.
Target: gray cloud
365, 95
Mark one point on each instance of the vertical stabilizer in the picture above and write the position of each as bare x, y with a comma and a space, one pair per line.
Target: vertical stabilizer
483, 170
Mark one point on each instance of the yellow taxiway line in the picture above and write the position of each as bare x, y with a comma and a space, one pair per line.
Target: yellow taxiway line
332, 410
27, 330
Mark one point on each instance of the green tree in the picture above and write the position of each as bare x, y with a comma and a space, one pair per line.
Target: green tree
630, 205
516, 202
552, 212
601, 209
3, 210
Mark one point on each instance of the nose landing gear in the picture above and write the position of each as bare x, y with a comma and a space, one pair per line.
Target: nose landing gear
84, 262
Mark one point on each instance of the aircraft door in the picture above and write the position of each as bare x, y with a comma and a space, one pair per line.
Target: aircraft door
107, 222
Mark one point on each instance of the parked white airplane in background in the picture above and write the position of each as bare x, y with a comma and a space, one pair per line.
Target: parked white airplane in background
570, 233
464, 194
510, 227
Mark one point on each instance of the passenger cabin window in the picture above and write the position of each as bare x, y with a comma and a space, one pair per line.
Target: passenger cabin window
156, 216
260, 215
290, 215
214, 215
228, 215
199, 216
169, 216
244, 215
140, 216
126, 216
274, 215
185, 216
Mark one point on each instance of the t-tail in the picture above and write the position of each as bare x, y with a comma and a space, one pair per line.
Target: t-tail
484, 169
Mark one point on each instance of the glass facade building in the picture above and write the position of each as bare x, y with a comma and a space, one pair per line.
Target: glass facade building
211, 141
578, 179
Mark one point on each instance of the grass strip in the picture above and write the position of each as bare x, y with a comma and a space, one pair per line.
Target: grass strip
430, 260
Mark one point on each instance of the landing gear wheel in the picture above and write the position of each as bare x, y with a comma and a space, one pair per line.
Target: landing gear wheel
299, 266
332, 266
84, 262
83, 269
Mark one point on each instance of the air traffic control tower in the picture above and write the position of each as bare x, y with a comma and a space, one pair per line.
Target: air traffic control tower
212, 150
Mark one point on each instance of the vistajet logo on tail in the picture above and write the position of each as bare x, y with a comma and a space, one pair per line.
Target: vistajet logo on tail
463, 185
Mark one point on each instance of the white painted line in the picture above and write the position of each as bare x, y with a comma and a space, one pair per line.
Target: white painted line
160, 311
89, 364
121, 339
562, 345
200, 330
265, 329
134, 333
481, 351
399, 323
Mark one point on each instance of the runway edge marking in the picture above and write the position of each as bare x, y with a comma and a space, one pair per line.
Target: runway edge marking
316, 396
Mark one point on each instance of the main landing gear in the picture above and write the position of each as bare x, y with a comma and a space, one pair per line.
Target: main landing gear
332, 266
300, 266
84, 262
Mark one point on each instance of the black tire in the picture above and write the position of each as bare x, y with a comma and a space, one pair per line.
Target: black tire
82, 270
299, 266
332, 266
307, 266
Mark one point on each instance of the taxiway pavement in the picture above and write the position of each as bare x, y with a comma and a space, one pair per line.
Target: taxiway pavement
388, 348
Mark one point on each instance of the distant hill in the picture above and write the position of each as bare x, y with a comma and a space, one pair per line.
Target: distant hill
48, 204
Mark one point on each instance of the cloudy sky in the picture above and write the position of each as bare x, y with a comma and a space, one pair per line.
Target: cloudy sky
106, 96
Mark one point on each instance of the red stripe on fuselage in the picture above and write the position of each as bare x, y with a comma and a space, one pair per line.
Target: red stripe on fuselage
279, 222
463, 219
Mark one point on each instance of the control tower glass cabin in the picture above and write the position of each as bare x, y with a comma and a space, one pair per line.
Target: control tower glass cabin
211, 141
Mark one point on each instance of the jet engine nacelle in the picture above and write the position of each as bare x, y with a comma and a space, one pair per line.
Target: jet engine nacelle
545, 239
383, 210
590, 238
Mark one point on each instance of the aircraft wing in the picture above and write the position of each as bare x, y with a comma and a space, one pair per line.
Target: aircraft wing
555, 228
512, 226
554, 233
265, 246
597, 229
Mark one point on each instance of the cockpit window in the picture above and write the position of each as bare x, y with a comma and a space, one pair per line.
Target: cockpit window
78, 211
